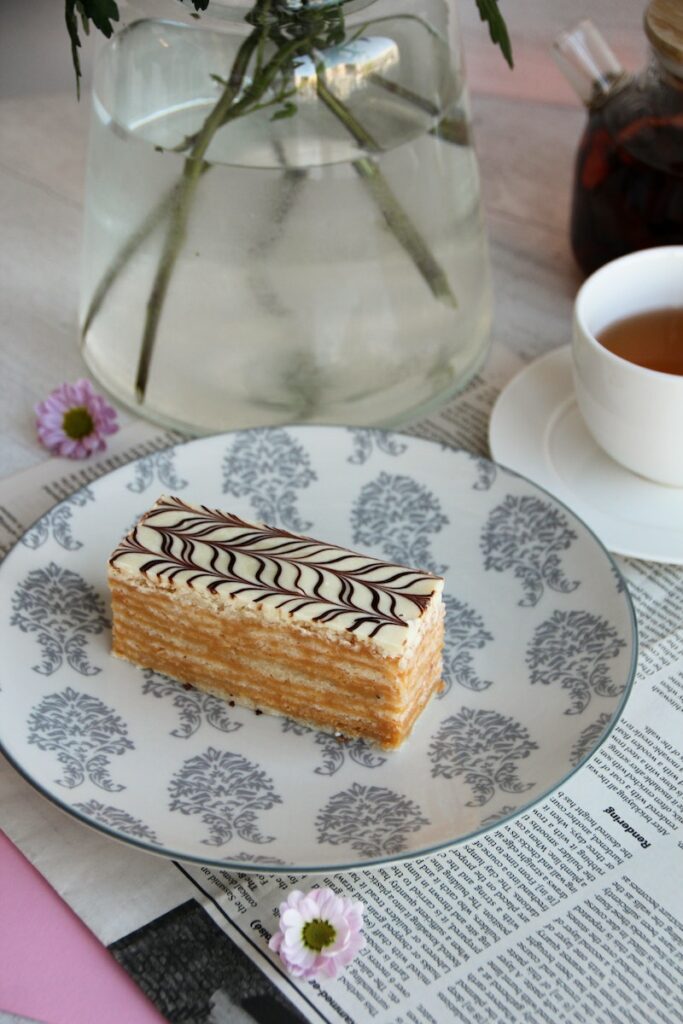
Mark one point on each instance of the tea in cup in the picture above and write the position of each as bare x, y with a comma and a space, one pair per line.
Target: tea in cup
627, 355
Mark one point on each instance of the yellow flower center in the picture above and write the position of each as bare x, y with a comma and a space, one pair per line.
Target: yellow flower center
77, 423
318, 934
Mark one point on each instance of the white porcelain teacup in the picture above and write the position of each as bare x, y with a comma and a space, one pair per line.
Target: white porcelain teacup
635, 414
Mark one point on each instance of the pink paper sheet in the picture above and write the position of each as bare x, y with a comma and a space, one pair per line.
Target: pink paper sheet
51, 967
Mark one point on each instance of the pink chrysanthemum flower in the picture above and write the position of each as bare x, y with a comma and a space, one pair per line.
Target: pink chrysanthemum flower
319, 933
73, 420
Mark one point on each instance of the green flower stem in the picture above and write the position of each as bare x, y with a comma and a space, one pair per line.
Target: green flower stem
227, 109
175, 236
448, 129
451, 129
180, 205
175, 206
342, 112
405, 232
126, 253
405, 94
455, 130
398, 221
173, 199
260, 49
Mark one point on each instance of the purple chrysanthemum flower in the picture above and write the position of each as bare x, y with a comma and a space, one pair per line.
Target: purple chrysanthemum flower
319, 933
73, 420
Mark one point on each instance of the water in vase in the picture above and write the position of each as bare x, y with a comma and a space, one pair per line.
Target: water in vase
291, 298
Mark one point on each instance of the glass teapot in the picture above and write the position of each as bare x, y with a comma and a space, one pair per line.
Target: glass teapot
628, 186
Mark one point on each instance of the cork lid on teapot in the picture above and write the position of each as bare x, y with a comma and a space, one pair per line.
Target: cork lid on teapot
664, 28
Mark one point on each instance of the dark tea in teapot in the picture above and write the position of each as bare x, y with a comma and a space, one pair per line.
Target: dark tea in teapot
628, 185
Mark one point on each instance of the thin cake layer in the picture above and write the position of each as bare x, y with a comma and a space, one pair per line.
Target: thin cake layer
278, 621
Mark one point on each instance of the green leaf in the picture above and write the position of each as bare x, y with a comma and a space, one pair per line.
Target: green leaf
286, 110
100, 12
72, 28
82, 15
489, 12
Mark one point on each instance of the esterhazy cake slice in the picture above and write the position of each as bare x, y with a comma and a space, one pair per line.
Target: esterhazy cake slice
279, 622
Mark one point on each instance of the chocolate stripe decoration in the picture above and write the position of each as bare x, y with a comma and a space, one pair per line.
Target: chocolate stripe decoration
218, 552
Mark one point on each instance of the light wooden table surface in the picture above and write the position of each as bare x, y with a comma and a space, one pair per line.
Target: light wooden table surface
527, 124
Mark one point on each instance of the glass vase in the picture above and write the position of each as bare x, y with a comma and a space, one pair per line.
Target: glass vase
282, 218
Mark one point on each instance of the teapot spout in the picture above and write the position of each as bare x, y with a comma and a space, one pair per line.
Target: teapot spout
588, 63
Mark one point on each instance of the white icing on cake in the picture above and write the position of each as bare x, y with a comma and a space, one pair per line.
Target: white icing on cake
286, 575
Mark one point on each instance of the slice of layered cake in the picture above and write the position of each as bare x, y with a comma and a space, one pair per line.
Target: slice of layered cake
279, 622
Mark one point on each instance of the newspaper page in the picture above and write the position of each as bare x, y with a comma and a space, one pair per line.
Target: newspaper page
572, 912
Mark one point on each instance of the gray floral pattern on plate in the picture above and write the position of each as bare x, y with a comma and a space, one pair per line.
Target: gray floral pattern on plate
465, 633
63, 610
589, 737
370, 820
117, 820
500, 815
84, 733
487, 473
184, 774
160, 467
575, 649
619, 580
526, 535
269, 467
367, 439
57, 524
335, 749
397, 516
483, 747
256, 858
193, 705
227, 791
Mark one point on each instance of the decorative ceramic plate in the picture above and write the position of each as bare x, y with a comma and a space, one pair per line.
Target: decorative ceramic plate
540, 655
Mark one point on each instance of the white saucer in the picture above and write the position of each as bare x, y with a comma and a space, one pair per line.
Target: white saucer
536, 429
